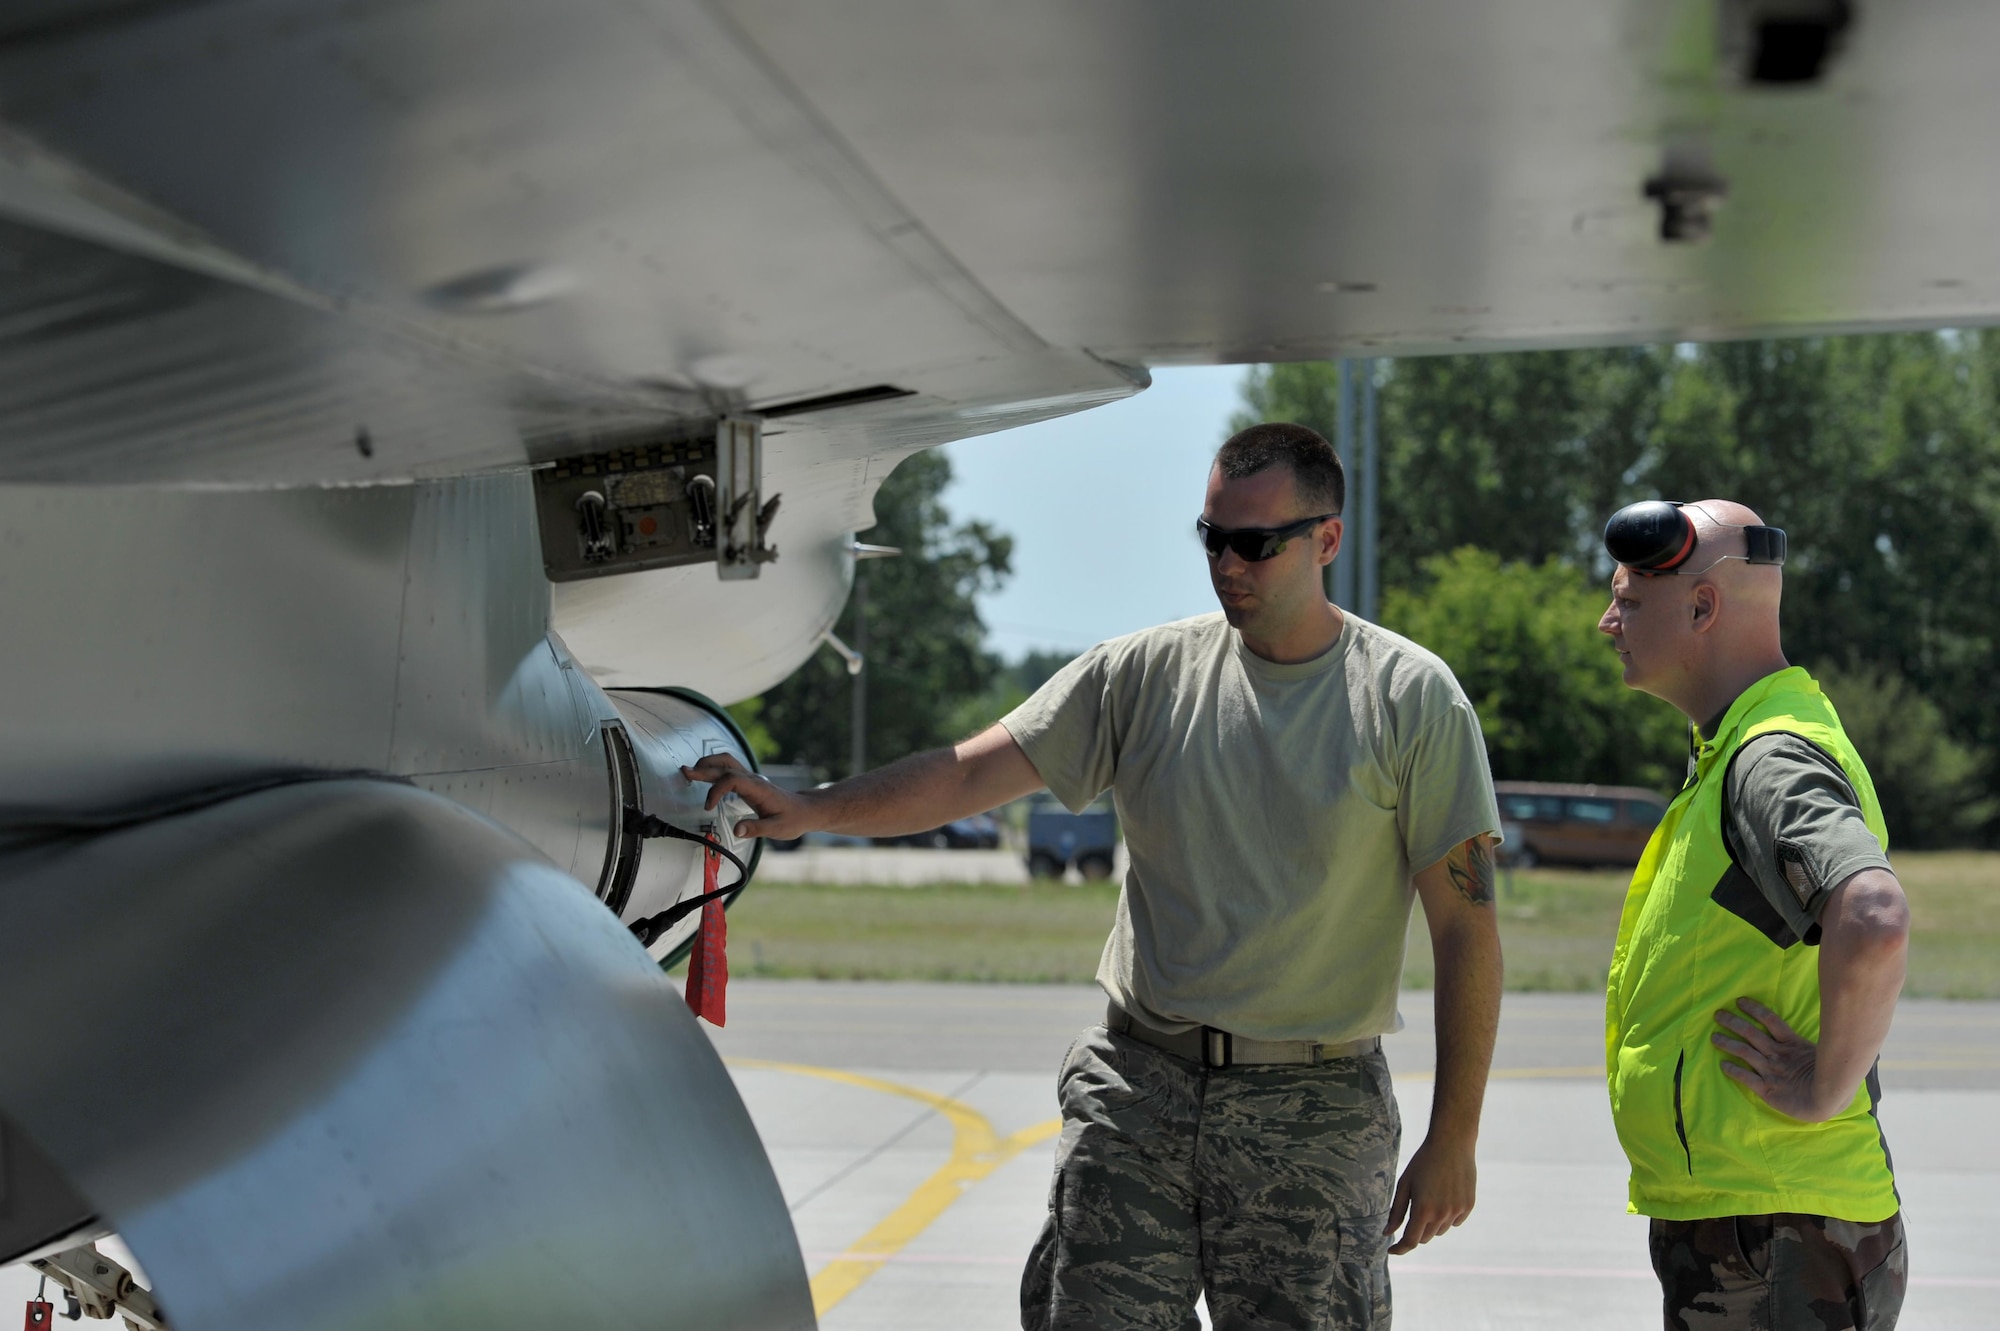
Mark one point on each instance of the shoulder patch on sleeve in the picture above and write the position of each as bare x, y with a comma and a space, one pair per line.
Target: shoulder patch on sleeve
1792, 866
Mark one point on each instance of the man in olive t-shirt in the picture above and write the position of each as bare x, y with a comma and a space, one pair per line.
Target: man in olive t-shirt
1290, 778
1765, 923
1306, 792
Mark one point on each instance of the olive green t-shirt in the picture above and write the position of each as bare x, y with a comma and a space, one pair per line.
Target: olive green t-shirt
1796, 827
1273, 815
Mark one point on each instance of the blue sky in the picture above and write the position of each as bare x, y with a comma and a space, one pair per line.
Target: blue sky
1101, 506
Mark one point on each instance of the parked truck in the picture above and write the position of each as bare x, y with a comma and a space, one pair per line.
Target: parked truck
1058, 838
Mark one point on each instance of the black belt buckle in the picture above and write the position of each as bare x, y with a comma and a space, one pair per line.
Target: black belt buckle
1217, 1048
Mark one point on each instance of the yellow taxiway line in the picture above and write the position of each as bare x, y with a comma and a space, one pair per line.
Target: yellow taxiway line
976, 1151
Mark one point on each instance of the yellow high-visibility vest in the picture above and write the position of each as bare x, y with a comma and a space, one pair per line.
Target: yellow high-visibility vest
1695, 936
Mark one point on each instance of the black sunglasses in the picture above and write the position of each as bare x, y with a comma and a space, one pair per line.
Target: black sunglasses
1253, 544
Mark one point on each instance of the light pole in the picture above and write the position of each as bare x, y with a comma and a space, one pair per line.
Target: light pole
857, 655
1340, 574
1353, 580
1368, 512
858, 714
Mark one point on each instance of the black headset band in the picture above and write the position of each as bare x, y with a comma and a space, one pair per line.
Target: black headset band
1764, 545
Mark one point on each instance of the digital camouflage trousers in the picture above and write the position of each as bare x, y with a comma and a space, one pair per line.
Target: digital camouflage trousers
1265, 1188
1780, 1272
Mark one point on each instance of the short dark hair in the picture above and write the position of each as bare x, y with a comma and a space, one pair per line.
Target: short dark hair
1315, 466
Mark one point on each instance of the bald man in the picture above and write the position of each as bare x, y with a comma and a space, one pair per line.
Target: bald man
1758, 958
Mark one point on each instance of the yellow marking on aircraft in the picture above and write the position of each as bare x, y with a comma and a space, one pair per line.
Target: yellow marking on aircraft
976, 1151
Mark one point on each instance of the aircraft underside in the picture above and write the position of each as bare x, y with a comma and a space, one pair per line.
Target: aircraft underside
416, 418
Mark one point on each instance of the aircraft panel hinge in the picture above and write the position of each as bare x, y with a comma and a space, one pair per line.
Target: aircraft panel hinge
693, 496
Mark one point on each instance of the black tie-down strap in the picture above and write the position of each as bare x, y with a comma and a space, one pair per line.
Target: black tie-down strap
642, 824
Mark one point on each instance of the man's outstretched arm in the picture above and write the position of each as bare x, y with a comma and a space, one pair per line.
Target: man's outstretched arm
1439, 1186
912, 794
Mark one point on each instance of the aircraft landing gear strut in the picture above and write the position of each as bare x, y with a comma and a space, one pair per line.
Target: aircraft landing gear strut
99, 1288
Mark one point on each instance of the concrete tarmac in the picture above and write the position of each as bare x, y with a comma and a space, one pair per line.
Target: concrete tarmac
912, 1127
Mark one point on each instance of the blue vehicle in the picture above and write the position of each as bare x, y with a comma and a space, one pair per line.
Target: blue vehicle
979, 831
1058, 838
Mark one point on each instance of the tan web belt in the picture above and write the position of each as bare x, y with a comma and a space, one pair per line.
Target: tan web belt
1214, 1048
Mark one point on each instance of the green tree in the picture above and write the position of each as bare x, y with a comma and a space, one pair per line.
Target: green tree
1510, 453
1523, 641
1928, 784
749, 718
926, 652
1012, 685
1880, 455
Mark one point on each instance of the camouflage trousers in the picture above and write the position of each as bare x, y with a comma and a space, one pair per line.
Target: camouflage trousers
1781, 1272
1266, 1188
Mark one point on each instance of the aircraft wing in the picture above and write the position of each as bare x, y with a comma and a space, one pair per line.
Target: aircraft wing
309, 242
274, 242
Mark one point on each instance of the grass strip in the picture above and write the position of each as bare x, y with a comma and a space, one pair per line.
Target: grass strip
1556, 926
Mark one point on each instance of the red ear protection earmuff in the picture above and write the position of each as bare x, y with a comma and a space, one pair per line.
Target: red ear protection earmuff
1657, 536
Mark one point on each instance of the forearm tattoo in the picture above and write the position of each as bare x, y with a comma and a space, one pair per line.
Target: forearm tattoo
1470, 867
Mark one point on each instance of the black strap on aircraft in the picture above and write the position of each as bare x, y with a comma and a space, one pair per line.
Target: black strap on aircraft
640, 823
33, 824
